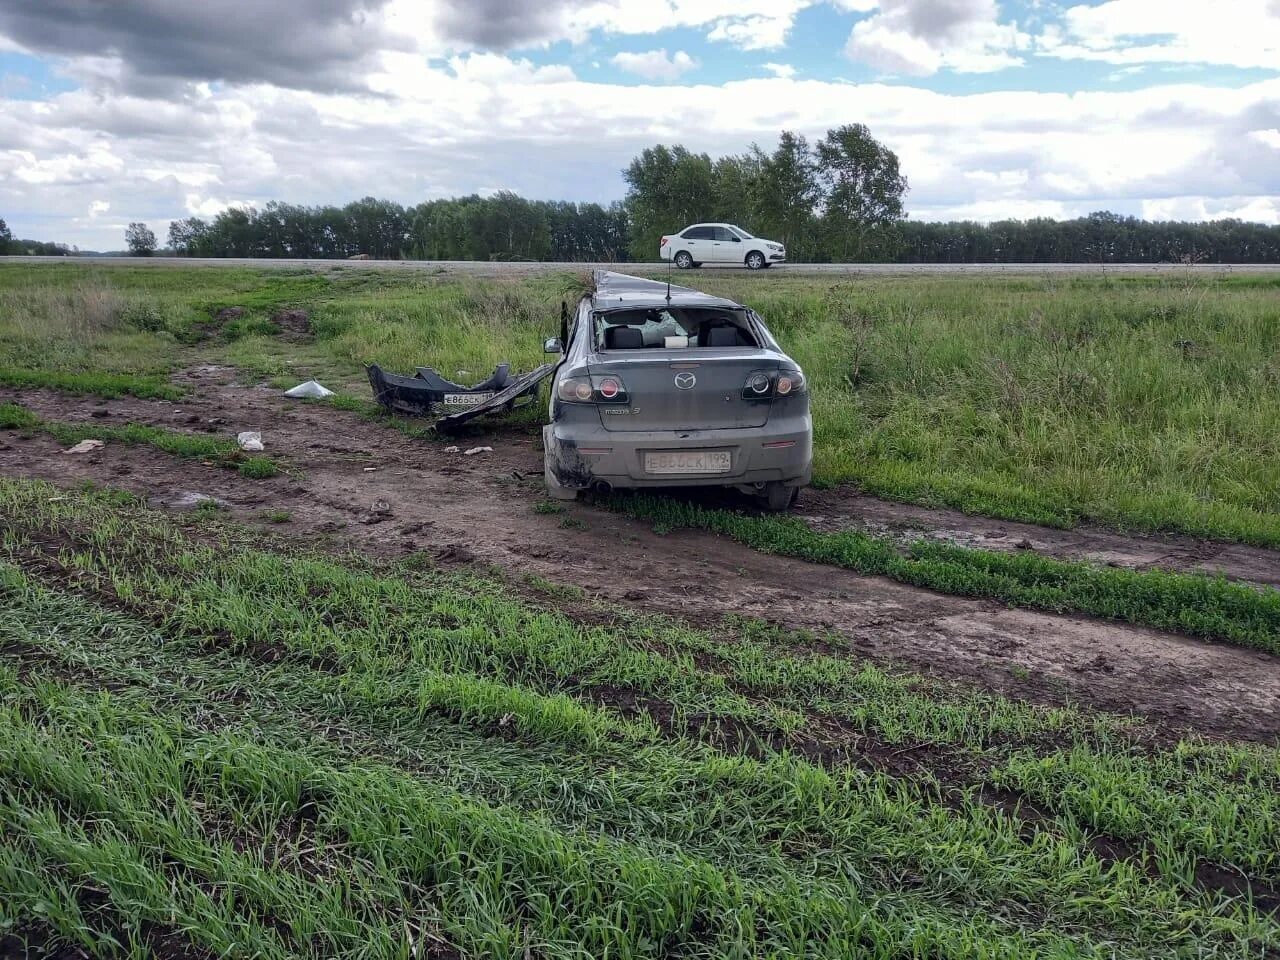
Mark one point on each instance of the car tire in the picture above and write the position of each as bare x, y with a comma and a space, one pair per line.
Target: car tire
555, 489
777, 497
684, 261
756, 261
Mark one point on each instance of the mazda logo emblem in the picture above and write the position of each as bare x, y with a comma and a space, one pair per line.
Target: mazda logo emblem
685, 381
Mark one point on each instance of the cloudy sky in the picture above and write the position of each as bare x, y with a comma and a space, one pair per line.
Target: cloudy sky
119, 110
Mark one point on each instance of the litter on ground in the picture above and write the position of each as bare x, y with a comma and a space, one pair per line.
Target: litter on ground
311, 390
475, 450
450, 449
250, 441
85, 446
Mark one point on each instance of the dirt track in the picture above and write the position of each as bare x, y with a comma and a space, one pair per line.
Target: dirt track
479, 508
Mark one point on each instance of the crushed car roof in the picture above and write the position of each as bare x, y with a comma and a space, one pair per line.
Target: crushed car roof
621, 291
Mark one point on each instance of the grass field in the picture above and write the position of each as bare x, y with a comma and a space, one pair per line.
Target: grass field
1147, 403
213, 746
219, 740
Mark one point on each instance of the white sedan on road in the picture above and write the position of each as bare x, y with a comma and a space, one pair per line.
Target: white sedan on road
720, 243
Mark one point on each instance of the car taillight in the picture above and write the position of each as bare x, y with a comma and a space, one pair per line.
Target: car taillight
591, 390
794, 382
663, 243
767, 384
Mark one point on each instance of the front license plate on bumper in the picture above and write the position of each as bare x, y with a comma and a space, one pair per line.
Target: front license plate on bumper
687, 461
466, 399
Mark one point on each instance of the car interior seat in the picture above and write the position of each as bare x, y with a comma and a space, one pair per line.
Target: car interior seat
623, 338
723, 337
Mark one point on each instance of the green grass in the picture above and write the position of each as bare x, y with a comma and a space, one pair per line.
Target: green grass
108, 385
225, 453
1200, 605
359, 751
1138, 402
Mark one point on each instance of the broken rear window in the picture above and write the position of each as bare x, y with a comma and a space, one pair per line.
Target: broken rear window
673, 328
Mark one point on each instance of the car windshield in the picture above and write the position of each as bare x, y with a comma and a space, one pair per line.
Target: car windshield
673, 328
742, 233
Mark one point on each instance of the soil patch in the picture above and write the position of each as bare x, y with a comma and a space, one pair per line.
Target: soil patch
479, 509
294, 325
844, 509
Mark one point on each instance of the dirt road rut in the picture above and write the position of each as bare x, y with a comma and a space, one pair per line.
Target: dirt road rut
359, 484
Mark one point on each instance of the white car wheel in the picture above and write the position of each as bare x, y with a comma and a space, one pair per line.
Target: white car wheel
683, 260
756, 260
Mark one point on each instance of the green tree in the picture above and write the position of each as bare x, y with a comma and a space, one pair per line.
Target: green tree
186, 237
787, 196
6, 238
668, 188
733, 190
141, 239
862, 191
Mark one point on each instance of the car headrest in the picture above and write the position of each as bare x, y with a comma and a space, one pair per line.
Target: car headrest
722, 337
623, 338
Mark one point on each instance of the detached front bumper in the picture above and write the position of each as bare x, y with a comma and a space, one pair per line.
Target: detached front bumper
580, 455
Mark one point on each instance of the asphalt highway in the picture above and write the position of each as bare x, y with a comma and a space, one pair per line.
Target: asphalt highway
517, 269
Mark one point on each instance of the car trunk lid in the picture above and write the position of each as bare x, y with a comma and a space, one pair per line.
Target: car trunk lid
696, 391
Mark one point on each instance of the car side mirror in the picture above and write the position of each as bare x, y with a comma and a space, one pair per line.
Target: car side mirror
552, 345
736, 239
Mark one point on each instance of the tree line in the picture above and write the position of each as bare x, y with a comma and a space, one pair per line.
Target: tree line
14, 247
1098, 238
501, 227
837, 199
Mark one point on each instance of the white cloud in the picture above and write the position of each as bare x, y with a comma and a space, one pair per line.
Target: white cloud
1236, 33
1259, 209
208, 207
478, 121
97, 208
749, 24
786, 71
752, 33
985, 211
656, 64
492, 69
921, 37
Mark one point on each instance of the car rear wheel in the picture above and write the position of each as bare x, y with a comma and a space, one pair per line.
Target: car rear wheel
555, 489
756, 260
776, 497
683, 260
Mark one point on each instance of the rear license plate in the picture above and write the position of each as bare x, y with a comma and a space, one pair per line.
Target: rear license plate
466, 399
687, 461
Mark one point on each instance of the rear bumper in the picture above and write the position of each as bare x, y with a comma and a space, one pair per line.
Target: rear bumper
580, 455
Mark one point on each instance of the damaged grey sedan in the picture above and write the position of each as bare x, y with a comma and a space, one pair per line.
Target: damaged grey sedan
664, 386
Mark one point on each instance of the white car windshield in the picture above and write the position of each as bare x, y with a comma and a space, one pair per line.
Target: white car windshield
742, 233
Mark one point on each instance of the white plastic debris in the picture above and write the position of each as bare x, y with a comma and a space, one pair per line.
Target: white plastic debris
450, 449
250, 440
475, 450
85, 446
311, 390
